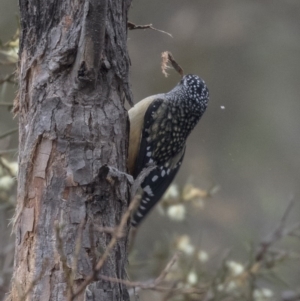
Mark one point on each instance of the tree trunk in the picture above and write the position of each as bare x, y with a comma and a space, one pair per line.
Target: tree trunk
73, 76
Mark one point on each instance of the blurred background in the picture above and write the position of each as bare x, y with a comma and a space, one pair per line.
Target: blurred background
247, 143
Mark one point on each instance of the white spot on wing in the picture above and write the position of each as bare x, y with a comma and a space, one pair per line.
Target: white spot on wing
149, 154
154, 178
148, 190
163, 172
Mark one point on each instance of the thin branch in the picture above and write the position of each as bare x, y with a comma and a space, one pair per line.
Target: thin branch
108, 230
8, 133
35, 281
92, 247
167, 269
3, 63
170, 293
118, 232
140, 179
132, 26
152, 284
6, 166
6, 104
155, 284
63, 258
8, 79
78, 245
277, 234
7, 151
290, 296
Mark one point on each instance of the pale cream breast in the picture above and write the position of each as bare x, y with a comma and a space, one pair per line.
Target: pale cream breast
136, 117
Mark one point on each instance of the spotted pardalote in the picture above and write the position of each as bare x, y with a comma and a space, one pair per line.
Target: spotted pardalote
159, 127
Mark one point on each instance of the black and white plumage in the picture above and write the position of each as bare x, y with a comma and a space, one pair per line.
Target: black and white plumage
159, 127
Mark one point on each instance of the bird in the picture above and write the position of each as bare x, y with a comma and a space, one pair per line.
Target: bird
159, 127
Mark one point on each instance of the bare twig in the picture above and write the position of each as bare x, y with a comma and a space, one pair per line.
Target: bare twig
140, 179
92, 248
152, 284
108, 230
167, 58
12, 131
8, 79
7, 151
78, 245
279, 232
290, 296
170, 293
6, 166
3, 63
118, 232
6, 104
167, 269
63, 258
132, 26
156, 284
265, 250
35, 281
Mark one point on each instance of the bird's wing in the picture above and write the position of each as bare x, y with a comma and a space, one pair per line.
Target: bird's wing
154, 186
147, 141
137, 117
152, 130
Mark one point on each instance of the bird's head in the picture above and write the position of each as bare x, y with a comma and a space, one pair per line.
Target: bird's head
196, 87
195, 91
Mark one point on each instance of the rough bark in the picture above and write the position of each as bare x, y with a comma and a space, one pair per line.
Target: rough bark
73, 76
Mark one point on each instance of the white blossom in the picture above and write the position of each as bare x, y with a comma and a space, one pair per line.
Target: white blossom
203, 256
229, 287
262, 294
184, 245
235, 268
6, 182
176, 212
192, 278
172, 192
14, 167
